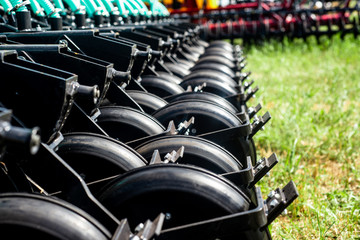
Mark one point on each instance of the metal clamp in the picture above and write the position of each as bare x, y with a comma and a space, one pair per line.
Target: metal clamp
262, 167
248, 84
259, 123
279, 199
251, 93
252, 111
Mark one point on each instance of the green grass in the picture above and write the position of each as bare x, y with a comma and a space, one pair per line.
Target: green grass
313, 94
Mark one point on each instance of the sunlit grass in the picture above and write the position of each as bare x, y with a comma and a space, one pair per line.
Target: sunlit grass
313, 94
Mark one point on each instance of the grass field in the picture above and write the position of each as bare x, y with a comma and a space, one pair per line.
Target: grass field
313, 94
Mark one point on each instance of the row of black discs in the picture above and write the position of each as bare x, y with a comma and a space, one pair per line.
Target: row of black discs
173, 144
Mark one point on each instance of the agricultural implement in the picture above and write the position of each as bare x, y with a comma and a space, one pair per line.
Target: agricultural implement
118, 122
260, 20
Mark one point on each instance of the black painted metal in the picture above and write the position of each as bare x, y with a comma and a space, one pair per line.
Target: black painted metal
87, 89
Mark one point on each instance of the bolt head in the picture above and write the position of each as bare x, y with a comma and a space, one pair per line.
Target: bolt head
271, 194
168, 216
274, 203
139, 227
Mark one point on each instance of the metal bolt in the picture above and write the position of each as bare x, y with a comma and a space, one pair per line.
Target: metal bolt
271, 194
180, 126
168, 216
273, 203
139, 227
35, 141
260, 166
72, 88
64, 42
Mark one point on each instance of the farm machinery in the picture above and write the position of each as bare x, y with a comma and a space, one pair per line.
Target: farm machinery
118, 121
261, 20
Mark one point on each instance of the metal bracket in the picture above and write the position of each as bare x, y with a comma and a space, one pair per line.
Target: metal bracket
259, 123
56, 141
188, 89
252, 111
242, 177
242, 76
248, 84
155, 158
279, 199
169, 157
240, 66
120, 97
199, 87
142, 231
95, 114
251, 93
228, 134
242, 114
123, 231
72, 188
150, 228
240, 97
174, 155
217, 227
184, 127
262, 167
70, 44
171, 130
80, 121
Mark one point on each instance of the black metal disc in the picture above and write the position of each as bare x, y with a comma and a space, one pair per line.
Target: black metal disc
185, 194
30, 216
